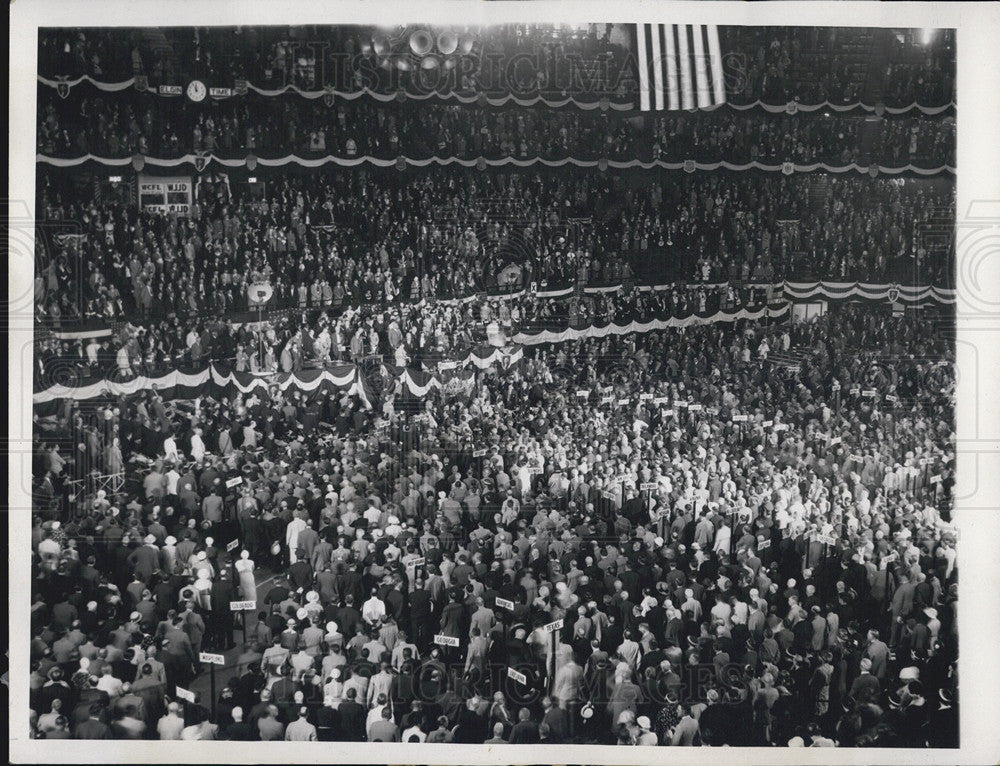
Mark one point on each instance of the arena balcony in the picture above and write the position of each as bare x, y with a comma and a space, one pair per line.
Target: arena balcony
123, 124
456, 233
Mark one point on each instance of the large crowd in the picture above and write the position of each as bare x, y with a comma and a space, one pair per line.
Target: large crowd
341, 238
811, 65
788, 580
775, 65
116, 126
730, 531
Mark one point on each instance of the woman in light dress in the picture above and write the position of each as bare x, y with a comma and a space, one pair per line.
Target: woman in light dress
248, 585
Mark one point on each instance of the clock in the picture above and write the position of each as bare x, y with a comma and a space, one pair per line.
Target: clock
196, 90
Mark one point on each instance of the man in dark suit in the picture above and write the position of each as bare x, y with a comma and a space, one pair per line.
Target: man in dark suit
557, 720
866, 687
92, 727
222, 616
283, 694
352, 718
301, 573
328, 725
353, 585
348, 617
239, 730
420, 616
525, 731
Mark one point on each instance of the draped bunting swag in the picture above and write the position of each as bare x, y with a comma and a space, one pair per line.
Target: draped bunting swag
503, 100
350, 162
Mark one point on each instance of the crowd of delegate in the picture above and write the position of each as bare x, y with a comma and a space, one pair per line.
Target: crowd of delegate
721, 531
339, 238
592, 546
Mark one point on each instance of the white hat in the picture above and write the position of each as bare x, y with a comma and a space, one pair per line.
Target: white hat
909, 674
644, 723
171, 540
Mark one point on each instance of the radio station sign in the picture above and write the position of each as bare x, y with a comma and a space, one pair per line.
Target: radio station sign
165, 194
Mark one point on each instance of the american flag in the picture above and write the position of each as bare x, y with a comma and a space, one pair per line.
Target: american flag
679, 66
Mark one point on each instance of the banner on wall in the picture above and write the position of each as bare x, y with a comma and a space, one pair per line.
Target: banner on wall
165, 194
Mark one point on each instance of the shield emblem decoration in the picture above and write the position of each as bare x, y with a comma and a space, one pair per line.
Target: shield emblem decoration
792, 107
602, 164
787, 168
260, 292
328, 96
401, 163
199, 162
241, 87
605, 104
138, 162
873, 170
893, 295
141, 83
251, 161
689, 166
481, 163
62, 88
879, 109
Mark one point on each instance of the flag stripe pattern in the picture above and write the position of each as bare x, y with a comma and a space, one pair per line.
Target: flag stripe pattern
679, 66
